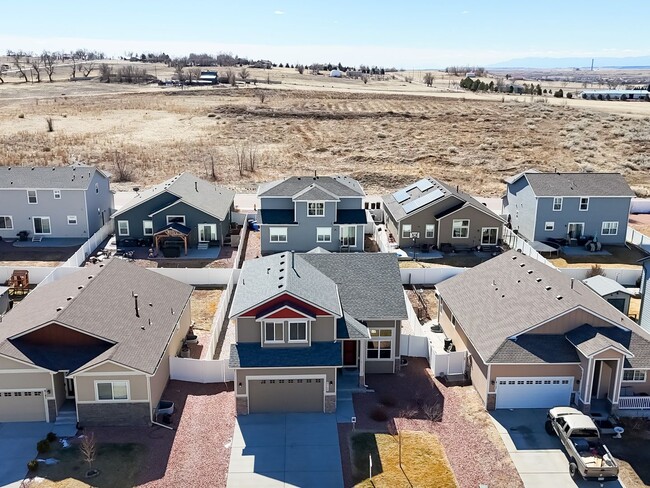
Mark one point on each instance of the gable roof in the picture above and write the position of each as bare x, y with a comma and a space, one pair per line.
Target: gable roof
204, 196
315, 192
605, 286
339, 186
590, 340
72, 177
503, 298
577, 184
98, 301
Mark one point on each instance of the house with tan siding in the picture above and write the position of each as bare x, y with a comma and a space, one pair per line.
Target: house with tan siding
96, 342
536, 338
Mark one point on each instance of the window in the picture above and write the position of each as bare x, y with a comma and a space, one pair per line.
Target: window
297, 331
31, 197
112, 390
278, 234
57, 194
380, 346
123, 227
633, 375
584, 204
557, 204
609, 228
72, 220
549, 226
406, 231
6, 222
42, 225
429, 231
323, 234
460, 229
348, 235
273, 332
315, 209
147, 227
178, 219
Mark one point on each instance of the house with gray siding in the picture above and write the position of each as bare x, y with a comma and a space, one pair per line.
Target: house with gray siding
303, 212
430, 212
570, 206
184, 208
302, 318
54, 202
644, 313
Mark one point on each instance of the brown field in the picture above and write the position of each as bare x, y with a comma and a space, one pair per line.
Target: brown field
385, 133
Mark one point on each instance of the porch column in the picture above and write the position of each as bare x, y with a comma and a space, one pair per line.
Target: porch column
363, 347
618, 378
185, 241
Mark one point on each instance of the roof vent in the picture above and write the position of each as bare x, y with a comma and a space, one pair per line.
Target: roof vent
530, 271
280, 285
513, 257
559, 297
521, 265
503, 296
68, 299
538, 280
80, 287
90, 277
547, 288
58, 309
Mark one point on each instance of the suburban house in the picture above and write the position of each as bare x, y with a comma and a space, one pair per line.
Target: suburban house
568, 206
611, 291
94, 345
301, 318
536, 338
184, 210
644, 313
432, 213
53, 202
303, 212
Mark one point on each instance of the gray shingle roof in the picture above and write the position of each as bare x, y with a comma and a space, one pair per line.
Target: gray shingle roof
605, 286
538, 348
579, 185
593, 340
341, 186
252, 355
212, 199
55, 177
315, 192
502, 298
349, 328
98, 300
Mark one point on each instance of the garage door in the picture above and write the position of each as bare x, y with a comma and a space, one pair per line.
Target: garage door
285, 395
22, 406
540, 392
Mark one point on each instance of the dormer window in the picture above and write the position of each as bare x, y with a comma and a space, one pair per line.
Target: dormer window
315, 209
273, 332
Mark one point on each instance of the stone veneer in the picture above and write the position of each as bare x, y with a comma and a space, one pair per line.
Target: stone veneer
491, 403
114, 414
51, 407
241, 404
330, 403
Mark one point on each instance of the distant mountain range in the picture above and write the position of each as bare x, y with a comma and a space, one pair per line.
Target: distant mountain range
583, 62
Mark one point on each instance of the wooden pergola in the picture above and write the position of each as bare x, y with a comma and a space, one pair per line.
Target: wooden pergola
172, 230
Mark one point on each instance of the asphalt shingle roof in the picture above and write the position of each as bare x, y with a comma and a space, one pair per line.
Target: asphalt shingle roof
605, 286
55, 177
351, 216
349, 328
537, 348
340, 186
592, 340
315, 192
579, 185
252, 355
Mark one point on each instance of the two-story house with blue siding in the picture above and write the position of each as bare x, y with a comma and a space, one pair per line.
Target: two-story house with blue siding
70, 202
303, 212
571, 206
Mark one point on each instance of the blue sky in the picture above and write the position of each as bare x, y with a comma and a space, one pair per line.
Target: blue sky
407, 34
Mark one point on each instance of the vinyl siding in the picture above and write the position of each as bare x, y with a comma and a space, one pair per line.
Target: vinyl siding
86, 386
568, 322
419, 219
478, 220
102, 201
249, 330
10, 381
522, 208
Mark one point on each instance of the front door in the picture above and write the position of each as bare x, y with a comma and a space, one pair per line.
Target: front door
350, 353
596, 382
69, 388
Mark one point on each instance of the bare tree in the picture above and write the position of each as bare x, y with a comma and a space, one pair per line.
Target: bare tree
87, 68
88, 449
239, 153
178, 71
193, 74
428, 79
105, 72
365, 79
300, 68
48, 64
73, 66
35, 64
261, 95
122, 171
50, 124
244, 73
252, 157
213, 167
3, 70
19, 62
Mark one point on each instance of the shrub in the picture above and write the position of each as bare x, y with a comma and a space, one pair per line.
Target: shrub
43, 446
559, 93
50, 124
21, 116
51, 436
378, 414
32, 465
569, 95
596, 270
623, 97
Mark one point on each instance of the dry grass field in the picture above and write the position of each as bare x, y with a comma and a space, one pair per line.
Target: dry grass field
385, 133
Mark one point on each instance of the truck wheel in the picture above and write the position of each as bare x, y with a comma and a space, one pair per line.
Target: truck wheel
548, 426
573, 470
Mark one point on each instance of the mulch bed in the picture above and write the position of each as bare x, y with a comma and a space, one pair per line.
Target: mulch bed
472, 444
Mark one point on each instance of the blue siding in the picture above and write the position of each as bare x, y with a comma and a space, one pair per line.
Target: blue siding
276, 203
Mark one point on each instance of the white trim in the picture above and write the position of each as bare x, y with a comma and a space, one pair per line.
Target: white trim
11, 219
263, 317
319, 231
43, 394
198, 231
111, 374
18, 371
553, 204
283, 292
296, 197
568, 226
119, 230
426, 231
55, 193
469, 222
83, 370
286, 377
172, 216
341, 236
580, 209
602, 228
306, 340
496, 239
219, 218
72, 217
112, 383
279, 235
316, 203
35, 196
645, 375
381, 338
54, 322
549, 228
101, 402
42, 217
275, 323
403, 228
144, 228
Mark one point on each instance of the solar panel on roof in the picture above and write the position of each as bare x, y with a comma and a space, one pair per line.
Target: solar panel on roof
424, 185
422, 201
401, 196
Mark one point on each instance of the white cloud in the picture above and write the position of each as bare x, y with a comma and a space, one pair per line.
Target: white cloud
465, 12
278, 12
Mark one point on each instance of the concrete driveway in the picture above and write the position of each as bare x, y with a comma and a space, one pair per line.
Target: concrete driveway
538, 457
285, 450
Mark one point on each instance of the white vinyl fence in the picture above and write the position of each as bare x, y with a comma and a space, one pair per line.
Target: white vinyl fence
221, 317
625, 276
428, 276
380, 235
640, 205
198, 276
519, 244
446, 363
200, 370
413, 340
635, 237
79, 257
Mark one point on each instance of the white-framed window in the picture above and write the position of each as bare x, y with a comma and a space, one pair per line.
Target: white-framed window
178, 219
122, 227
406, 231
323, 234
584, 204
57, 194
273, 331
6, 222
549, 226
380, 345
634, 375
609, 228
557, 204
42, 225
430, 231
460, 229
297, 331
315, 209
489, 236
72, 220
147, 227
96, 187
111, 391
278, 234
31, 197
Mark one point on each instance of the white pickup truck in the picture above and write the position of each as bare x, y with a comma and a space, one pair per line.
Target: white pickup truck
588, 456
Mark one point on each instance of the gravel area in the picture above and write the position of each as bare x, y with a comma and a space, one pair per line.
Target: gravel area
222, 351
253, 245
474, 449
197, 453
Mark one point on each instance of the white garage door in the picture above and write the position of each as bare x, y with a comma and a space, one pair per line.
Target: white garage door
22, 406
540, 392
